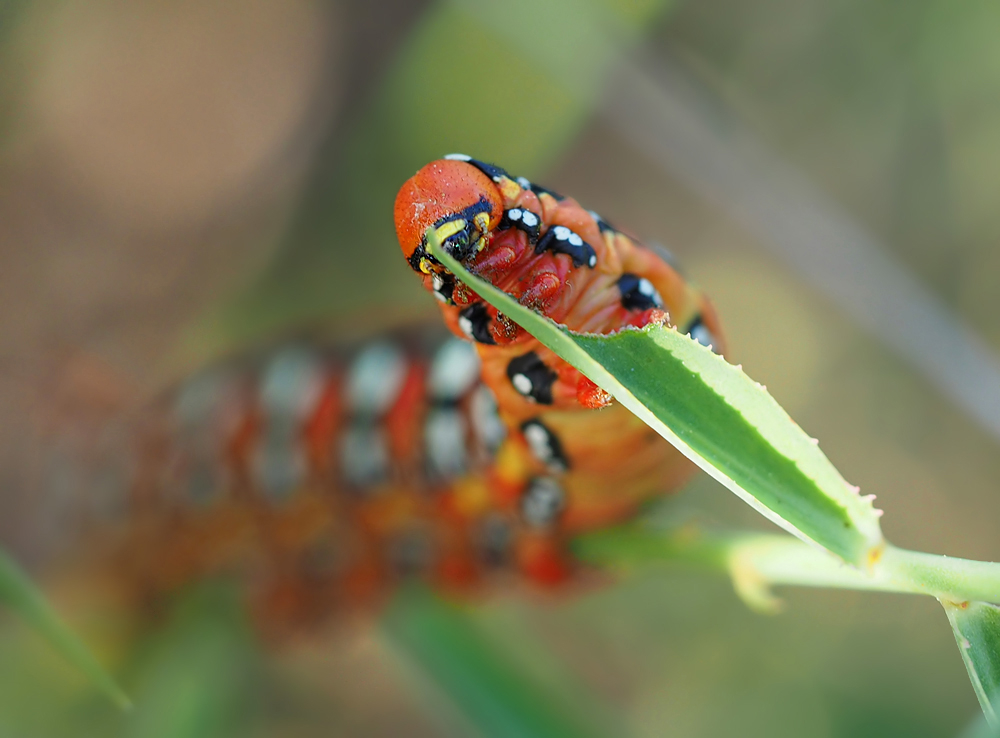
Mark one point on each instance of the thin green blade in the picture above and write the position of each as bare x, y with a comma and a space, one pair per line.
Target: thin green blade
980, 728
977, 629
198, 676
716, 416
19, 593
493, 693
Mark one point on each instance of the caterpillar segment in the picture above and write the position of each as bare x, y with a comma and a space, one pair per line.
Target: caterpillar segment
571, 265
324, 477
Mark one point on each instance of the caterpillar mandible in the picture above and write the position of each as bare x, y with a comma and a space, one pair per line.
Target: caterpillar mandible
571, 265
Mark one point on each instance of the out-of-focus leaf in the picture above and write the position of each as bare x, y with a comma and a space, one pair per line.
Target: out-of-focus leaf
977, 630
716, 416
980, 728
498, 698
19, 593
196, 677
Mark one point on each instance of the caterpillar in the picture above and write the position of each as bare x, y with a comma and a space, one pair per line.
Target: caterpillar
323, 475
570, 264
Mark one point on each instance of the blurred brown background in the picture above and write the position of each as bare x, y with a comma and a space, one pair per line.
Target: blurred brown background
178, 180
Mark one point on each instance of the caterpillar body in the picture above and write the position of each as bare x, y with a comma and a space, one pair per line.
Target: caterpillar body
570, 264
326, 474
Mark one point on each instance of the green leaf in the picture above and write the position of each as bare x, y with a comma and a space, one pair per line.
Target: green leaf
19, 593
199, 676
716, 416
492, 691
980, 728
977, 630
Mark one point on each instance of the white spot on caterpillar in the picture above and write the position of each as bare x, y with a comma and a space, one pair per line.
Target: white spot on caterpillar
444, 436
291, 384
466, 325
538, 439
375, 379
540, 443
290, 387
522, 384
702, 335
490, 430
458, 157
647, 289
438, 283
542, 502
364, 457
529, 218
454, 370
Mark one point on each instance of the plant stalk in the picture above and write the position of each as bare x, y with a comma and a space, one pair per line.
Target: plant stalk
759, 561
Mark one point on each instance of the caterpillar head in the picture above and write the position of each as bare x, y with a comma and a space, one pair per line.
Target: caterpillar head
454, 198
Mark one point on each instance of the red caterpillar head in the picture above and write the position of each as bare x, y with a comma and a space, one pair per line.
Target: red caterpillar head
455, 198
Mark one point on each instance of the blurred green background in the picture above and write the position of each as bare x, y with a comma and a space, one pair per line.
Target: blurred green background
181, 179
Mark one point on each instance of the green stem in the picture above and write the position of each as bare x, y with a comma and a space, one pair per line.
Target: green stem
20, 594
945, 577
783, 560
759, 561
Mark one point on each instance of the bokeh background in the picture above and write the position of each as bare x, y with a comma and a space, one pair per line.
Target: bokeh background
180, 180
